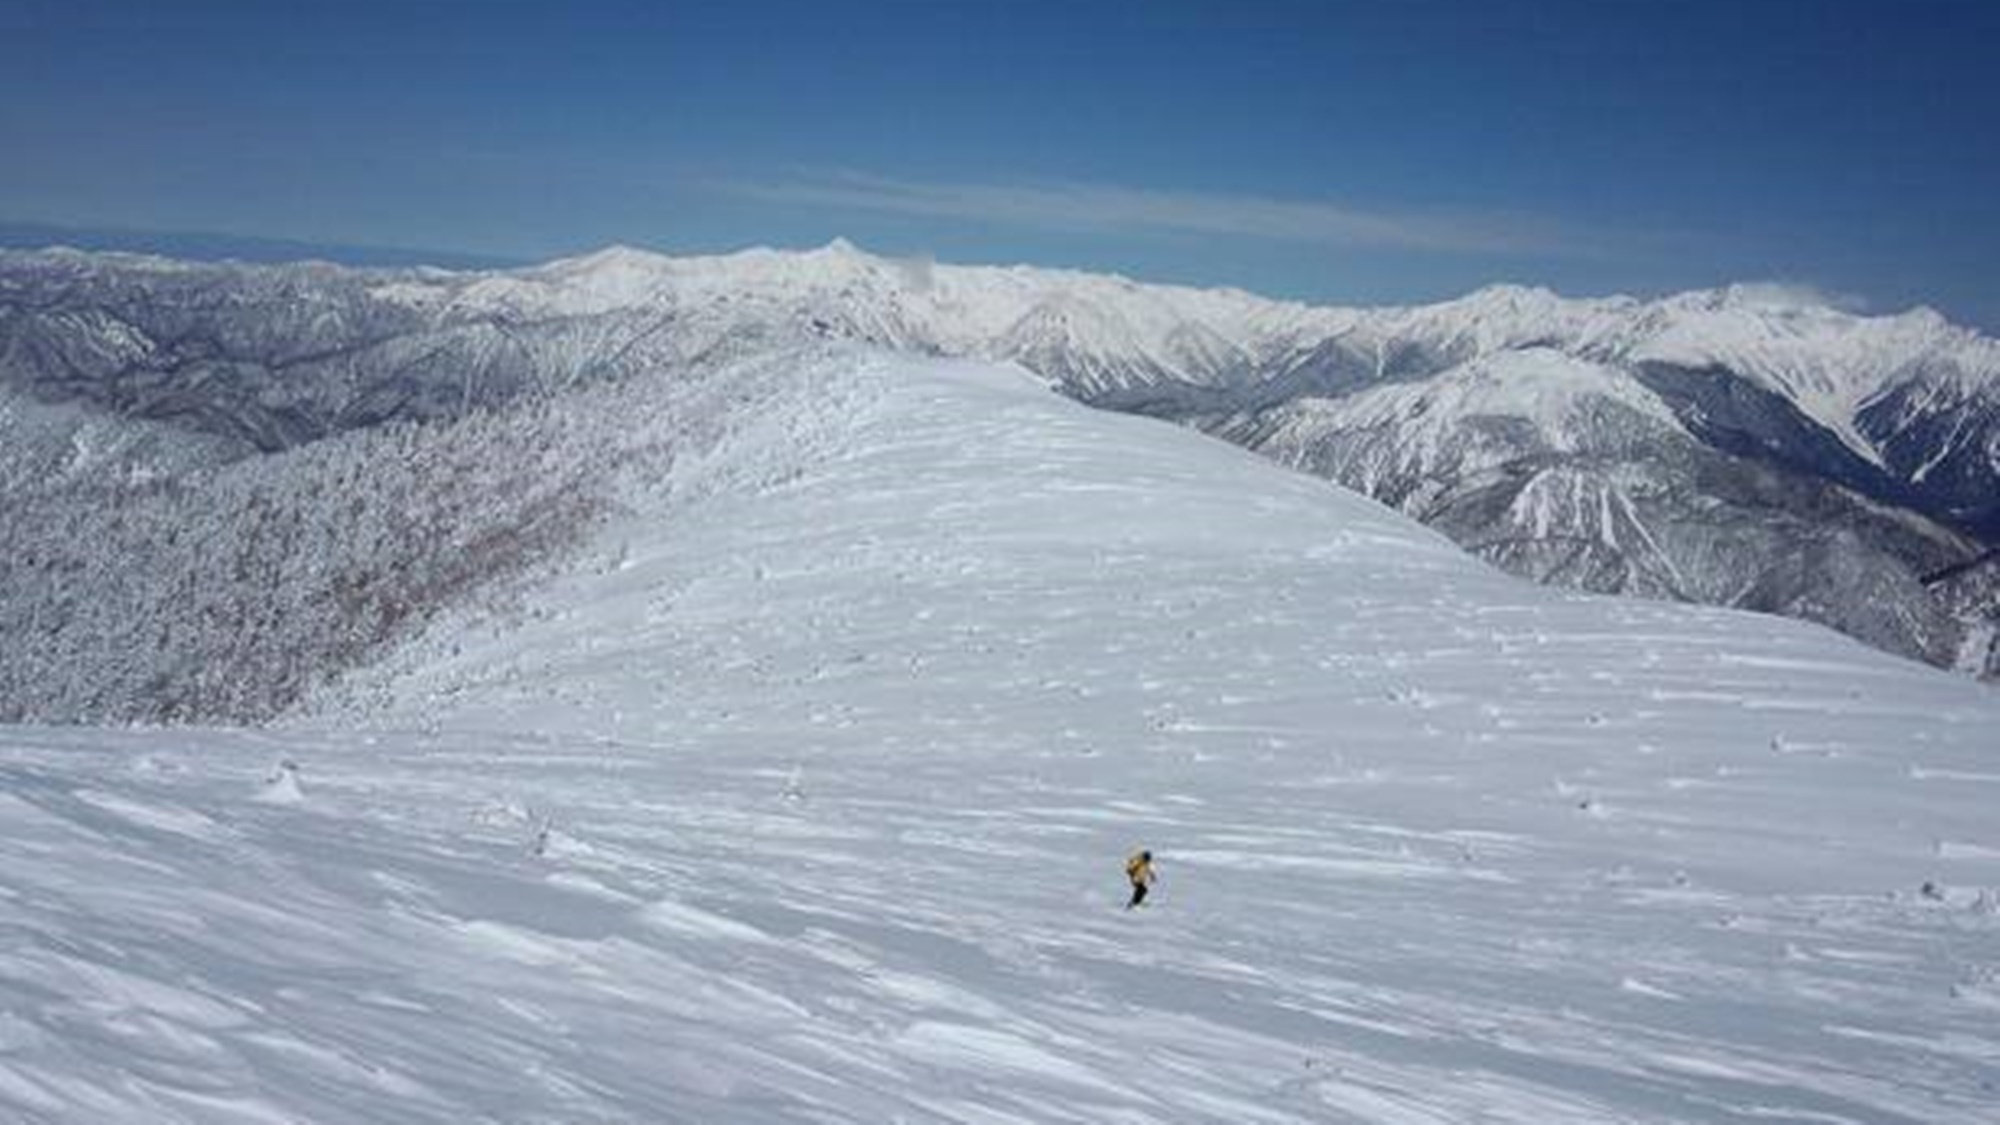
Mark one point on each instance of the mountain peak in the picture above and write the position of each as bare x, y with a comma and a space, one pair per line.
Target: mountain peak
1515, 292
840, 254
616, 256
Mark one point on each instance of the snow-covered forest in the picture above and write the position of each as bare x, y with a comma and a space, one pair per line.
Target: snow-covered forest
225, 591
158, 577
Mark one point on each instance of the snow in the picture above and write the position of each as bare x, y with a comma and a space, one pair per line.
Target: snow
1438, 409
1102, 334
1428, 417
282, 787
814, 808
1973, 652
996, 312
1828, 363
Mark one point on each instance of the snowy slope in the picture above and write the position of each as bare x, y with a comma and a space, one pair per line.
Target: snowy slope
804, 799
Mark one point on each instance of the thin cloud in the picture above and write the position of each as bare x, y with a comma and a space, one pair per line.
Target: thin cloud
1784, 292
1106, 208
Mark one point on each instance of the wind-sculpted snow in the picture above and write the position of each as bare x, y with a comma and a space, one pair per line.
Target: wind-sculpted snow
804, 794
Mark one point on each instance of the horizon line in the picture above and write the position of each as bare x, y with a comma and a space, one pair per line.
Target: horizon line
258, 249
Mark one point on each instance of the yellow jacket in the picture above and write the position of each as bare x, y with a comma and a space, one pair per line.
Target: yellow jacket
1139, 868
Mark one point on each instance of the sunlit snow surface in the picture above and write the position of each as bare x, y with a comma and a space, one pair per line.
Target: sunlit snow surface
806, 798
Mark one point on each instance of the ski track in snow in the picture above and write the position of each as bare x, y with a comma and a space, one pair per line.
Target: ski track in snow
814, 810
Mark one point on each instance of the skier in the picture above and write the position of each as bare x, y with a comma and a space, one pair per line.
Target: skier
1139, 869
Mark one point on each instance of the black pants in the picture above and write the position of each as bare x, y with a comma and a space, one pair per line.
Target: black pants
1138, 894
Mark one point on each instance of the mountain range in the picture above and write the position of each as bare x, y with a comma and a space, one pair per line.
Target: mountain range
1748, 446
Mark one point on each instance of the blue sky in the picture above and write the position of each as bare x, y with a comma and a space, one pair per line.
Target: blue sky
1357, 152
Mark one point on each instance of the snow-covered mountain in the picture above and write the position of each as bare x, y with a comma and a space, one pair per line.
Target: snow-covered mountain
1743, 447
799, 790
